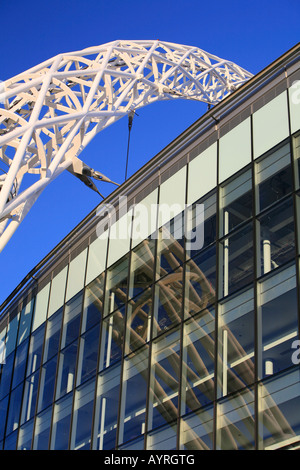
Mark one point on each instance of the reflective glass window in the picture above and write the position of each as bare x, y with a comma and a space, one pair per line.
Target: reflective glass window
30, 397
200, 281
236, 342
163, 438
10, 442
170, 251
48, 374
11, 335
71, 322
167, 309
3, 413
112, 335
236, 263
134, 396
196, 430
164, 380
142, 267
138, 321
277, 321
116, 285
66, 370
235, 202
53, 331
278, 405
83, 416
198, 361
14, 410
20, 363
93, 303
35, 350
6, 375
273, 177
277, 236
88, 354
25, 436
25, 321
42, 430
41, 307
61, 423
296, 151
235, 423
107, 405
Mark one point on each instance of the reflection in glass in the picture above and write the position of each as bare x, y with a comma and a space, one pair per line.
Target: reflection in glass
236, 342
116, 285
61, 423
6, 375
71, 320
52, 335
42, 430
83, 416
198, 361
30, 396
235, 423
170, 252
142, 267
14, 409
296, 151
200, 281
106, 414
138, 324
278, 405
88, 354
197, 430
66, 370
163, 438
209, 228
164, 380
277, 238
112, 338
25, 436
167, 302
277, 321
236, 266
93, 303
46, 393
35, 350
134, 395
20, 363
273, 177
236, 202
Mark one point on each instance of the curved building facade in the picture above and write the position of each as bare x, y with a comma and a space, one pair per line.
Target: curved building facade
168, 319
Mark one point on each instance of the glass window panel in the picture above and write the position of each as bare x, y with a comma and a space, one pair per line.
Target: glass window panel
296, 152
88, 355
57, 293
72, 318
30, 397
167, 309
200, 281
52, 335
12, 332
277, 331
11, 441
35, 350
235, 423
134, 396
145, 218
270, 124
203, 224
235, 202
234, 150
236, 342
20, 363
142, 267
163, 438
61, 423
46, 393
42, 430
136, 444
116, 285
2, 347
93, 303
3, 413
198, 361
273, 177
14, 409
112, 338
83, 417
138, 321
236, 253
277, 236
164, 380
41, 307
106, 414
25, 321
278, 405
196, 430
293, 92
6, 375
76, 275
170, 251
96, 258
119, 236
172, 196
25, 436
66, 370
201, 182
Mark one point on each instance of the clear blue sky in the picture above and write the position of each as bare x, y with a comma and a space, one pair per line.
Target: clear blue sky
250, 33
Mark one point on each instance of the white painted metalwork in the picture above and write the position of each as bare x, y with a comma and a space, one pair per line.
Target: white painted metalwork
49, 113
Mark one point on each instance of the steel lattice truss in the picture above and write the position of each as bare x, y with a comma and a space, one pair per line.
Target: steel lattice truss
49, 113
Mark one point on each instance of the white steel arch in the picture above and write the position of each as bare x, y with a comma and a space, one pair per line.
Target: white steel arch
49, 113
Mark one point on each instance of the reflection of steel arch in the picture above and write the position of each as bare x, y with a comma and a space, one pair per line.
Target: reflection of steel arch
51, 112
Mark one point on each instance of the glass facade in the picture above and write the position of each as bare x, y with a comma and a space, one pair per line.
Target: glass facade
170, 344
